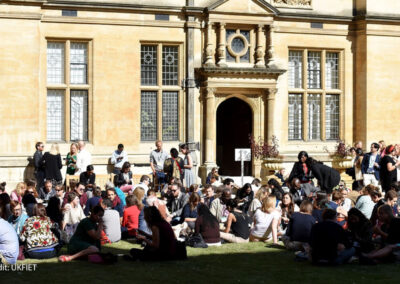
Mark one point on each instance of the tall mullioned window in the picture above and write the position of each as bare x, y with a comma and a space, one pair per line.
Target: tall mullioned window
314, 95
160, 92
68, 90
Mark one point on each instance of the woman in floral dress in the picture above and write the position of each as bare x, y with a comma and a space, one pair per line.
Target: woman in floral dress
40, 242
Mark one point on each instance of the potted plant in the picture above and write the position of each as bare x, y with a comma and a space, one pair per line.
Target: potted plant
267, 153
341, 159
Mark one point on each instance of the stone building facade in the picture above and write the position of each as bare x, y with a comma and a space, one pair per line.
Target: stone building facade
203, 71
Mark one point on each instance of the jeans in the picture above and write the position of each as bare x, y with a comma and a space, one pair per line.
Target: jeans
345, 255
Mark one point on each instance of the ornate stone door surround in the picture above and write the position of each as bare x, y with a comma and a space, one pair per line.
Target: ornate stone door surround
256, 87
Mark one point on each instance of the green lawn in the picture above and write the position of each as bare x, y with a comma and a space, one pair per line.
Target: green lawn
238, 263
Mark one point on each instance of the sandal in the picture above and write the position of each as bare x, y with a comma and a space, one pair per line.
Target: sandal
64, 258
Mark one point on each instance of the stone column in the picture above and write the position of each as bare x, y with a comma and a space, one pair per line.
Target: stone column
260, 62
209, 50
270, 113
221, 45
271, 55
211, 129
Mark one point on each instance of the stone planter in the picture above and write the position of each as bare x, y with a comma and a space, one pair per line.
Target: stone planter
269, 166
341, 164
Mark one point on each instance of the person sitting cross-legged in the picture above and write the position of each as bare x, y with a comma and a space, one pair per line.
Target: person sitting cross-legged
329, 242
238, 222
266, 221
161, 245
86, 239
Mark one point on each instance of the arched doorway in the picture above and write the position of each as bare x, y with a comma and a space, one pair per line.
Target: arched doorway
234, 124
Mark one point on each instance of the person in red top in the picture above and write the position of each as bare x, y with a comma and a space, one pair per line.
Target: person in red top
130, 221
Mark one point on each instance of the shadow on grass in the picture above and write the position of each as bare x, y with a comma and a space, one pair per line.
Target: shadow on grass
248, 263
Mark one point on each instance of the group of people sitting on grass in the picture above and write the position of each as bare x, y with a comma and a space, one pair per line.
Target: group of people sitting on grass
324, 222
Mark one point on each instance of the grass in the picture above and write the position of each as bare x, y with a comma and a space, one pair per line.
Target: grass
234, 263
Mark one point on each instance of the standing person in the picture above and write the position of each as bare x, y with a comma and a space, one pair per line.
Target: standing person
387, 171
157, 159
52, 164
300, 169
173, 167
327, 177
382, 148
39, 169
370, 166
84, 158
70, 160
357, 169
118, 158
187, 166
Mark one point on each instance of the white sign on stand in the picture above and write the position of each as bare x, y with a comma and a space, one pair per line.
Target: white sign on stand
242, 155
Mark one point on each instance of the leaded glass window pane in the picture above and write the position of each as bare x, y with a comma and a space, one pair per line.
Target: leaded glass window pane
55, 63
78, 63
79, 115
55, 115
148, 65
314, 116
148, 116
295, 116
332, 111
170, 116
332, 70
170, 65
295, 69
314, 70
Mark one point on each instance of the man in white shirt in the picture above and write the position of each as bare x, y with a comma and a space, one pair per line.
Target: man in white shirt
144, 183
84, 158
157, 159
118, 158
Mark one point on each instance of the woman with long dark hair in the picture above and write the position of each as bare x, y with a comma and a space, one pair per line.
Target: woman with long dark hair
124, 178
245, 195
276, 189
300, 169
387, 169
174, 166
288, 207
207, 226
187, 166
360, 229
161, 245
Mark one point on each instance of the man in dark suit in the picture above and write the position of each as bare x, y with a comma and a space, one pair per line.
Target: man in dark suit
39, 169
176, 203
370, 166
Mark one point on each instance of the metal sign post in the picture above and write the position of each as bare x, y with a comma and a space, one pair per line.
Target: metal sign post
242, 155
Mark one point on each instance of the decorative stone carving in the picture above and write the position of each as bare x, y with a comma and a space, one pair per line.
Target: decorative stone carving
221, 45
260, 48
209, 52
293, 2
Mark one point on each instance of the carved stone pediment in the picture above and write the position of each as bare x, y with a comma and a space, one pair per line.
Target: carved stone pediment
292, 3
243, 6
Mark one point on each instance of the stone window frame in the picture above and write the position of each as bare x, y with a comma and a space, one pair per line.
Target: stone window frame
68, 88
249, 44
305, 91
159, 88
